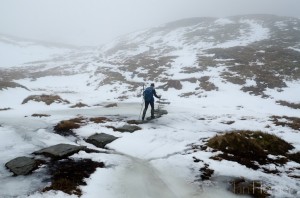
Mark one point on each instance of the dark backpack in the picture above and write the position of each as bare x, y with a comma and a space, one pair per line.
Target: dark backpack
148, 94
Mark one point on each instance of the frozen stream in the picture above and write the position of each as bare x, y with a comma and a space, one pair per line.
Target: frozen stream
137, 177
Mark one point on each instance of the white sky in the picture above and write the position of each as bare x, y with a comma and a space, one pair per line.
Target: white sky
93, 22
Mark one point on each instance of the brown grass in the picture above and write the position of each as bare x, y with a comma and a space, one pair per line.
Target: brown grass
295, 157
292, 122
100, 120
289, 104
68, 175
246, 147
206, 85
65, 127
5, 85
252, 188
48, 99
176, 84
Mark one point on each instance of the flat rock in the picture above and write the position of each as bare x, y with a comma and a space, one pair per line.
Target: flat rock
128, 128
22, 165
135, 121
101, 140
60, 150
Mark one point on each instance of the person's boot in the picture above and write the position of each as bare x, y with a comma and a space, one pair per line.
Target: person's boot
152, 114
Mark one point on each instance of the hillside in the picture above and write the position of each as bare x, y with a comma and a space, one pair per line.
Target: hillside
233, 120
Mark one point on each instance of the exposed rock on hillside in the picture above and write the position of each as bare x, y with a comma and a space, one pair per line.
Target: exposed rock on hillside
6, 85
48, 99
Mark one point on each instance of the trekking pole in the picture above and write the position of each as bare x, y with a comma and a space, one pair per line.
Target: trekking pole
142, 102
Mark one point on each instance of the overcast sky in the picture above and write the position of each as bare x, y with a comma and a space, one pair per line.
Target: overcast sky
93, 22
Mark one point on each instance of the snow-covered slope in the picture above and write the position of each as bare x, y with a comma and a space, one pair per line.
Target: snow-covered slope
220, 75
15, 51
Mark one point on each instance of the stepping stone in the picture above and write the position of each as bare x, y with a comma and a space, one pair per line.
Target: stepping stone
60, 150
22, 165
128, 128
135, 122
161, 112
101, 140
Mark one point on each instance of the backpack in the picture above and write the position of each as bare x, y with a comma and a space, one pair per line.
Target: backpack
148, 94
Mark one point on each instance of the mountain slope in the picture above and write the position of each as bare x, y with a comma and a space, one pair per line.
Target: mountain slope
220, 75
15, 51
260, 49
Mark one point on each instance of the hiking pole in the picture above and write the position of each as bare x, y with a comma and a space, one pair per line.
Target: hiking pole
142, 102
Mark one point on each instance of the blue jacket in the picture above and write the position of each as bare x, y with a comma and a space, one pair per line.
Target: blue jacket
149, 93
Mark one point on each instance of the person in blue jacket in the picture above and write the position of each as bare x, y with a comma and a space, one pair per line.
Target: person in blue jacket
149, 99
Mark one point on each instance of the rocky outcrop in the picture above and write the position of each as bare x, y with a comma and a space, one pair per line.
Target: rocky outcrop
101, 140
22, 165
60, 150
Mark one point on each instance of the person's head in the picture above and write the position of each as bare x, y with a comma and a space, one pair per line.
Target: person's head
152, 85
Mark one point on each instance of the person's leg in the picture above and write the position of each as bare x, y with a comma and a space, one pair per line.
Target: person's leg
145, 110
152, 109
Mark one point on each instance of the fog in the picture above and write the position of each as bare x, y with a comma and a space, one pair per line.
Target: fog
94, 22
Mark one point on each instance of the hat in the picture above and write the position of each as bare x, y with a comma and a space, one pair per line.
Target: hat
152, 85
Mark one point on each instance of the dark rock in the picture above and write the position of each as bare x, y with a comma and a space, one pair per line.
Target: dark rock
160, 112
22, 165
5, 109
111, 105
100, 140
60, 150
40, 115
128, 128
79, 105
206, 172
228, 122
135, 121
162, 102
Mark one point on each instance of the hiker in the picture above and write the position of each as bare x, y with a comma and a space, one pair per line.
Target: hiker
149, 99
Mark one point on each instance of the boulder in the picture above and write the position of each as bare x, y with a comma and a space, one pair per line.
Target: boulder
128, 128
22, 165
60, 150
100, 140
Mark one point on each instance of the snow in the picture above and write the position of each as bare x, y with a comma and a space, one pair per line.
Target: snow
156, 161
14, 55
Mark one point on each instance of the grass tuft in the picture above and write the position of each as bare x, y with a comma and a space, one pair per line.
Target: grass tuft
248, 147
68, 175
65, 127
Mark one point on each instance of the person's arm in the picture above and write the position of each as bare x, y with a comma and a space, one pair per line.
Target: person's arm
154, 93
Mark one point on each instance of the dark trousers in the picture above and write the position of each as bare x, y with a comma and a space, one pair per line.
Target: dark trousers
146, 107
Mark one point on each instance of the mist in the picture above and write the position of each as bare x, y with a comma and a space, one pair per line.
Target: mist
95, 22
